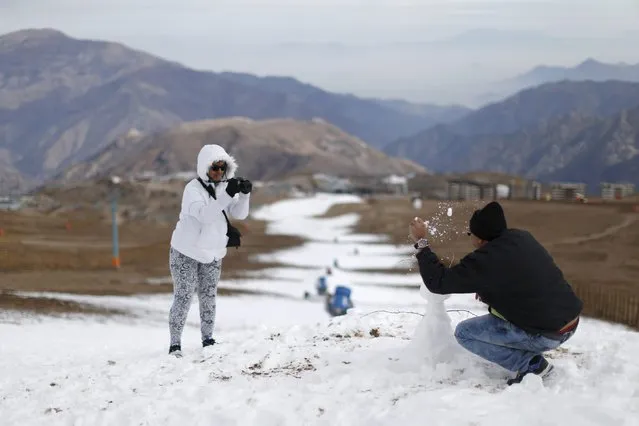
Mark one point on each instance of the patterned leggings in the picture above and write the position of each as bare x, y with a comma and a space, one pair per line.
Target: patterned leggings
188, 276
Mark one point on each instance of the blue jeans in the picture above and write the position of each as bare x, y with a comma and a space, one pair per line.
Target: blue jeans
503, 343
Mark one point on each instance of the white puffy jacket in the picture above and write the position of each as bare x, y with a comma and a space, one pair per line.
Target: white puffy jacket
200, 232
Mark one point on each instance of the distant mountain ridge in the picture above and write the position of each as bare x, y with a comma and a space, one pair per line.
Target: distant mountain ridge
63, 100
590, 69
583, 131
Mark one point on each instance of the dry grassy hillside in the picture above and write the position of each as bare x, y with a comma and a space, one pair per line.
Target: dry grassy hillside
266, 149
69, 248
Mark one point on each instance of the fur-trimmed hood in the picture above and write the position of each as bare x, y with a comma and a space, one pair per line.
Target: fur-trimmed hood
210, 154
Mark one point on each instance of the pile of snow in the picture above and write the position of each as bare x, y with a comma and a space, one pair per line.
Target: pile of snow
434, 332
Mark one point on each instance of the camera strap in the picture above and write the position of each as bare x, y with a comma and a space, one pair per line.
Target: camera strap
211, 192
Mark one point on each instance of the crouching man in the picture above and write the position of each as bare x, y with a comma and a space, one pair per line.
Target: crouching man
532, 309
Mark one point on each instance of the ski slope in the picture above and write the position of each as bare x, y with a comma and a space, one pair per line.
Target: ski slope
282, 360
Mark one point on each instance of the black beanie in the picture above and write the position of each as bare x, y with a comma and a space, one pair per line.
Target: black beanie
489, 222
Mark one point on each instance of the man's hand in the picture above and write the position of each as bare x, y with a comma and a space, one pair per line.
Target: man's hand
417, 229
245, 185
232, 187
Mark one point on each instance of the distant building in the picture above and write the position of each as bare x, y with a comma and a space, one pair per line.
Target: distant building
329, 183
524, 190
11, 202
396, 184
362, 184
567, 190
616, 191
468, 190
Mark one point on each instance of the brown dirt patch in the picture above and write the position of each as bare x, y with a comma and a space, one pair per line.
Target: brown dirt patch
51, 306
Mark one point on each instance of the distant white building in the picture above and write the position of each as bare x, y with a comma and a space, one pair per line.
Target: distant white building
327, 183
10, 203
397, 184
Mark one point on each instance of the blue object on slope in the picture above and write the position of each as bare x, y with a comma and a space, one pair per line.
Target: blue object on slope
340, 302
321, 285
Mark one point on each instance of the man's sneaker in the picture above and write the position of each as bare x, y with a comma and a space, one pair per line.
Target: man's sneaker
176, 351
208, 342
538, 365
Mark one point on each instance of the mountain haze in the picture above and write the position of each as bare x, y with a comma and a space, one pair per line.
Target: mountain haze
588, 70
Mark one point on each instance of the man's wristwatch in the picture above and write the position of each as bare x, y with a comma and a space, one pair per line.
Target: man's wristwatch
421, 243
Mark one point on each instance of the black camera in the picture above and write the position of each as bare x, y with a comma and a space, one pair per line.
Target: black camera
245, 186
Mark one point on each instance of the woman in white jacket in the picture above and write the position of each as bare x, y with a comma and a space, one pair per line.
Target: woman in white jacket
199, 240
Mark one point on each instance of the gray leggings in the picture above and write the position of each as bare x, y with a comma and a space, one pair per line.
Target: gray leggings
189, 276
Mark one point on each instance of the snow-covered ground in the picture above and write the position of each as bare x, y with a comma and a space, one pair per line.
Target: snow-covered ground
281, 360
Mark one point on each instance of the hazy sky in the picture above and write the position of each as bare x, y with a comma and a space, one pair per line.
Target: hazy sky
263, 37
